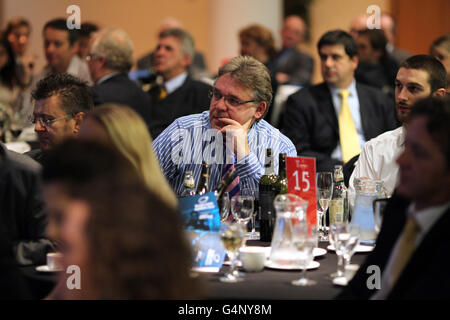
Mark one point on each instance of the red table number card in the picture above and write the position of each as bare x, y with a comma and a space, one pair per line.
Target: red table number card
301, 175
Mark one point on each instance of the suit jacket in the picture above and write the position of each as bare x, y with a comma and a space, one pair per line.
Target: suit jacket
120, 89
426, 274
21, 207
298, 65
311, 123
192, 97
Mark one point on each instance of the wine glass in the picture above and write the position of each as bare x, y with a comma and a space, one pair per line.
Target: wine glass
253, 193
378, 209
305, 242
242, 208
232, 236
224, 206
324, 193
346, 239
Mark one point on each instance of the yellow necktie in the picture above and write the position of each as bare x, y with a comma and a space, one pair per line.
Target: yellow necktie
162, 92
347, 133
406, 248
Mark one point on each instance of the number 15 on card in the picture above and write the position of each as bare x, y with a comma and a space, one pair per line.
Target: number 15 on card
301, 174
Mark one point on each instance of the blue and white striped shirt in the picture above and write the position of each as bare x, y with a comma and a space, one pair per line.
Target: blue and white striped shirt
190, 140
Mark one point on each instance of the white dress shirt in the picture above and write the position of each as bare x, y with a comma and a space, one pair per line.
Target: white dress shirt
377, 160
174, 83
425, 218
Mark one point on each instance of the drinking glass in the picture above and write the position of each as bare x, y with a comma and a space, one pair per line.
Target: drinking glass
305, 242
253, 193
324, 192
224, 206
346, 239
232, 236
378, 209
242, 208
340, 259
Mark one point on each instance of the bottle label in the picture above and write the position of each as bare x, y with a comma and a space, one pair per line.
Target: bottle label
336, 211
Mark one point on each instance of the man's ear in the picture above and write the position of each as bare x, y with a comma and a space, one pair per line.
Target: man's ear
441, 92
187, 60
79, 118
260, 110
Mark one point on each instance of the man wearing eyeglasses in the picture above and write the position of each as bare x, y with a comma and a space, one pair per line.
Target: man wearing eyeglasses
61, 103
231, 132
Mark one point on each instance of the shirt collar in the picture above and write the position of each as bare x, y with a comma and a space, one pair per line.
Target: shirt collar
426, 218
106, 77
174, 83
352, 88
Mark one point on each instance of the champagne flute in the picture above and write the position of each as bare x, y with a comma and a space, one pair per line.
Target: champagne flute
305, 242
232, 236
324, 192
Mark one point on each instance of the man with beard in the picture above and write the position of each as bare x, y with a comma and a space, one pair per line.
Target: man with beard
418, 77
61, 103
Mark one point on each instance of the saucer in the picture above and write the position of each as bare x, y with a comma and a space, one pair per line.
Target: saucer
317, 252
359, 248
273, 265
45, 268
340, 281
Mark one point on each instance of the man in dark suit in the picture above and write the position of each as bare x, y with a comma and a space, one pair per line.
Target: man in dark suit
110, 59
291, 65
413, 241
316, 118
177, 94
22, 216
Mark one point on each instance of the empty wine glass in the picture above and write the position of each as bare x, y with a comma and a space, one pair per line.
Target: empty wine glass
305, 242
346, 239
324, 193
242, 208
232, 236
253, 193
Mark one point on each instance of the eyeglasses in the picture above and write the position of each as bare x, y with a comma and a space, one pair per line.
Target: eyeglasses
230, 100
92, 56
46, 122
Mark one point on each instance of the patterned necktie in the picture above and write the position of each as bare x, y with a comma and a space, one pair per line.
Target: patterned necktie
234, 187
406, 248
162, 92
347, 133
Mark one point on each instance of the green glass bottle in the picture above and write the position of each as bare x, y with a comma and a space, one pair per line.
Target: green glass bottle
281, 184
266, 197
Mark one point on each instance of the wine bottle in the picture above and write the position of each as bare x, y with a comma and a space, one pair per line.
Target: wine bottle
227, 179
266, 197
189, 184
281, 183
338, 210
203, 185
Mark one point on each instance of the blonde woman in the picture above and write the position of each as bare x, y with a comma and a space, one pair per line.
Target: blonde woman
123, 128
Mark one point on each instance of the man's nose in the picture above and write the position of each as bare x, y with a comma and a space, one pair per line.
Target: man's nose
38, 126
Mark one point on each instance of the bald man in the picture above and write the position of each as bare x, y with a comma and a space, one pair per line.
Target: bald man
291, 65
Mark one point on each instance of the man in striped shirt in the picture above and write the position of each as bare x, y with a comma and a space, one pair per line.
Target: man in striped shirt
232, 131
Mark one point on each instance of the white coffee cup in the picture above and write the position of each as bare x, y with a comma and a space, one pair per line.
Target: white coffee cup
350, 271
54, 261
253, 258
